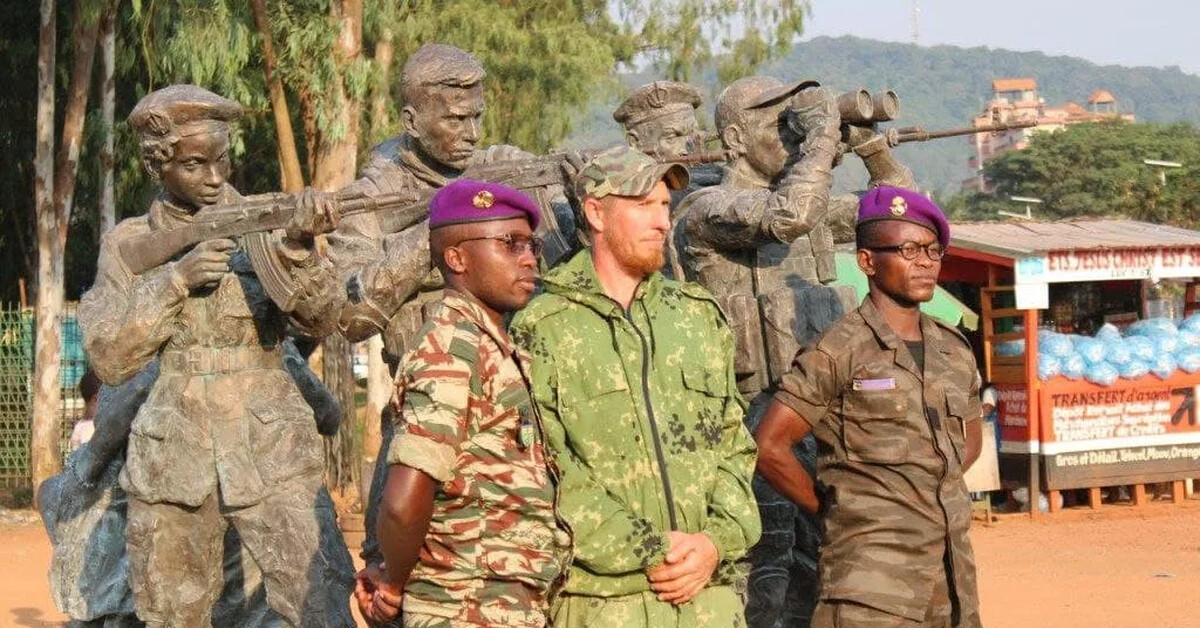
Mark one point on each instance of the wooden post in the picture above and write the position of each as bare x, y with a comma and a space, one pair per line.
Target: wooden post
1034, 411
1139, 495
1094, 498
1054, 499
1177, 492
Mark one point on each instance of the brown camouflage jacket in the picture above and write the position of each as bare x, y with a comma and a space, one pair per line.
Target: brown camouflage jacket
891, 442
495, 547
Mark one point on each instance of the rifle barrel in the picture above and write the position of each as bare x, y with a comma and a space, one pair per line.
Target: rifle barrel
917, 134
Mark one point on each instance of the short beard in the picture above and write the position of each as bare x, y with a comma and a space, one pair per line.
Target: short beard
626, 254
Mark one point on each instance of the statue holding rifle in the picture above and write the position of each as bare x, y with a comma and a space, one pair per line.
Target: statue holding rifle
225, 437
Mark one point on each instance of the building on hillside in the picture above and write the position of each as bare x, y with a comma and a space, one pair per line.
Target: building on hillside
1015, 100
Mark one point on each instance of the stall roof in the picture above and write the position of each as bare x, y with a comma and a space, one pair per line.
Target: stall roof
1023, 238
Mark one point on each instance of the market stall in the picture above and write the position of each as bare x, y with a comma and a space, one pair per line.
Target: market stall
1086, 336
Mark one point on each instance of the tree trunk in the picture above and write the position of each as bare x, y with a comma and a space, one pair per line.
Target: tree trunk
107, 204
335, 165
336, 159
44, 459
385, 51
289, 160
84, 32
52, 241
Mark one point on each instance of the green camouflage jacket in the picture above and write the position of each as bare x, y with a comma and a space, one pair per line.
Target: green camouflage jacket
643, 417
494, 548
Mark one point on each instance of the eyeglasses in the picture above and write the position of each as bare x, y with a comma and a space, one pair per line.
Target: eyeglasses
910, 250
516, 245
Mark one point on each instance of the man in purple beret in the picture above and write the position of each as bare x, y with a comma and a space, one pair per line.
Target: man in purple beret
892, 397
467, 522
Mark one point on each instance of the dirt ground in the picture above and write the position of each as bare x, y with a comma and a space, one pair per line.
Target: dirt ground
1121, 567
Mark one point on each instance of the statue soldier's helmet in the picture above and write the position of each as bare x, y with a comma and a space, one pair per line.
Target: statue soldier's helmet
182, 110
655, 100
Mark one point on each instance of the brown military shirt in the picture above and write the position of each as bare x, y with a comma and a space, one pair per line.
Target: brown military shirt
891, 445
495, 546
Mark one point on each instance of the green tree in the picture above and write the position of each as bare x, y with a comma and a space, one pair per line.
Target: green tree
1098, 170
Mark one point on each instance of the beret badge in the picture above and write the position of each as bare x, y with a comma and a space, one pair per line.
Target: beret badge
483, 200
899, 206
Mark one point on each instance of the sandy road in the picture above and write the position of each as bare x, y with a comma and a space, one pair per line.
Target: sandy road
1119, 568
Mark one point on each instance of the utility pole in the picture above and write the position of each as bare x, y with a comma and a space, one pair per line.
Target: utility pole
915, 11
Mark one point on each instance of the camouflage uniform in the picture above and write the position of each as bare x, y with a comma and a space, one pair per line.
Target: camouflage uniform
767, 254
225, 436
494, 549
894, 504
390, 282
643, 416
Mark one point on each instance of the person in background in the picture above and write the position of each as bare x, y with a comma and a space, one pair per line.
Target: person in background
89, 390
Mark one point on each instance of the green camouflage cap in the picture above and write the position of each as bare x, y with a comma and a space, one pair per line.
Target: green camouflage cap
623, 171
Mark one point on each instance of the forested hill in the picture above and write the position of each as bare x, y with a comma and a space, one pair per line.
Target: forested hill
944, 86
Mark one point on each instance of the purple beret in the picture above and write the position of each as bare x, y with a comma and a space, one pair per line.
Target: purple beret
889, 203
466, 200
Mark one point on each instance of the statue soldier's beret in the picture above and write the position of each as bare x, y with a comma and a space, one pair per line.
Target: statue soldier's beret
655, 100
890, 203
467, 200
182, 110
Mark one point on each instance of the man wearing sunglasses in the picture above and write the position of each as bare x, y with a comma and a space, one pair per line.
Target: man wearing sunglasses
892, 397
467, 522
633, 374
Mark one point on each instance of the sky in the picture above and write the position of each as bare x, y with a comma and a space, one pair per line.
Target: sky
1156, 33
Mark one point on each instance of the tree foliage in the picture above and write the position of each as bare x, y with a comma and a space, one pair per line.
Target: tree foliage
546, 62
1097, 170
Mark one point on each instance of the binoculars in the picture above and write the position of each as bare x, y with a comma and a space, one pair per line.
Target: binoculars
862, 107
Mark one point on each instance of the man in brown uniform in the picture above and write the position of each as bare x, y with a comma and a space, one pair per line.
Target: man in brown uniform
892, 397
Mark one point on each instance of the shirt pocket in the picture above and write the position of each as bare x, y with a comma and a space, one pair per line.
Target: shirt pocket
957, 405
704, 405
596, 411
874, 428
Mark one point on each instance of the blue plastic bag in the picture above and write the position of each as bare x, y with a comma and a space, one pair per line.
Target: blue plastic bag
1187, 339
1090, 349
1191, 323
1116, 352
1189, 360
1011, 348
1134, 369
1151, 327
1165, 343
1163, 365
1103, 374
1073, 366
1056, 345
1108, 331
1141, 347
1048, 366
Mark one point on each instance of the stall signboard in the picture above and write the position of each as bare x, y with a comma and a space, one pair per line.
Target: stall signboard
1131, 432
1012, 419
1108, 264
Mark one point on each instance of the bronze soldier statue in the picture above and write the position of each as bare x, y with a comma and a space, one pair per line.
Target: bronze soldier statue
659, 119
225, 437
389, 281
760, 243
84, 511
